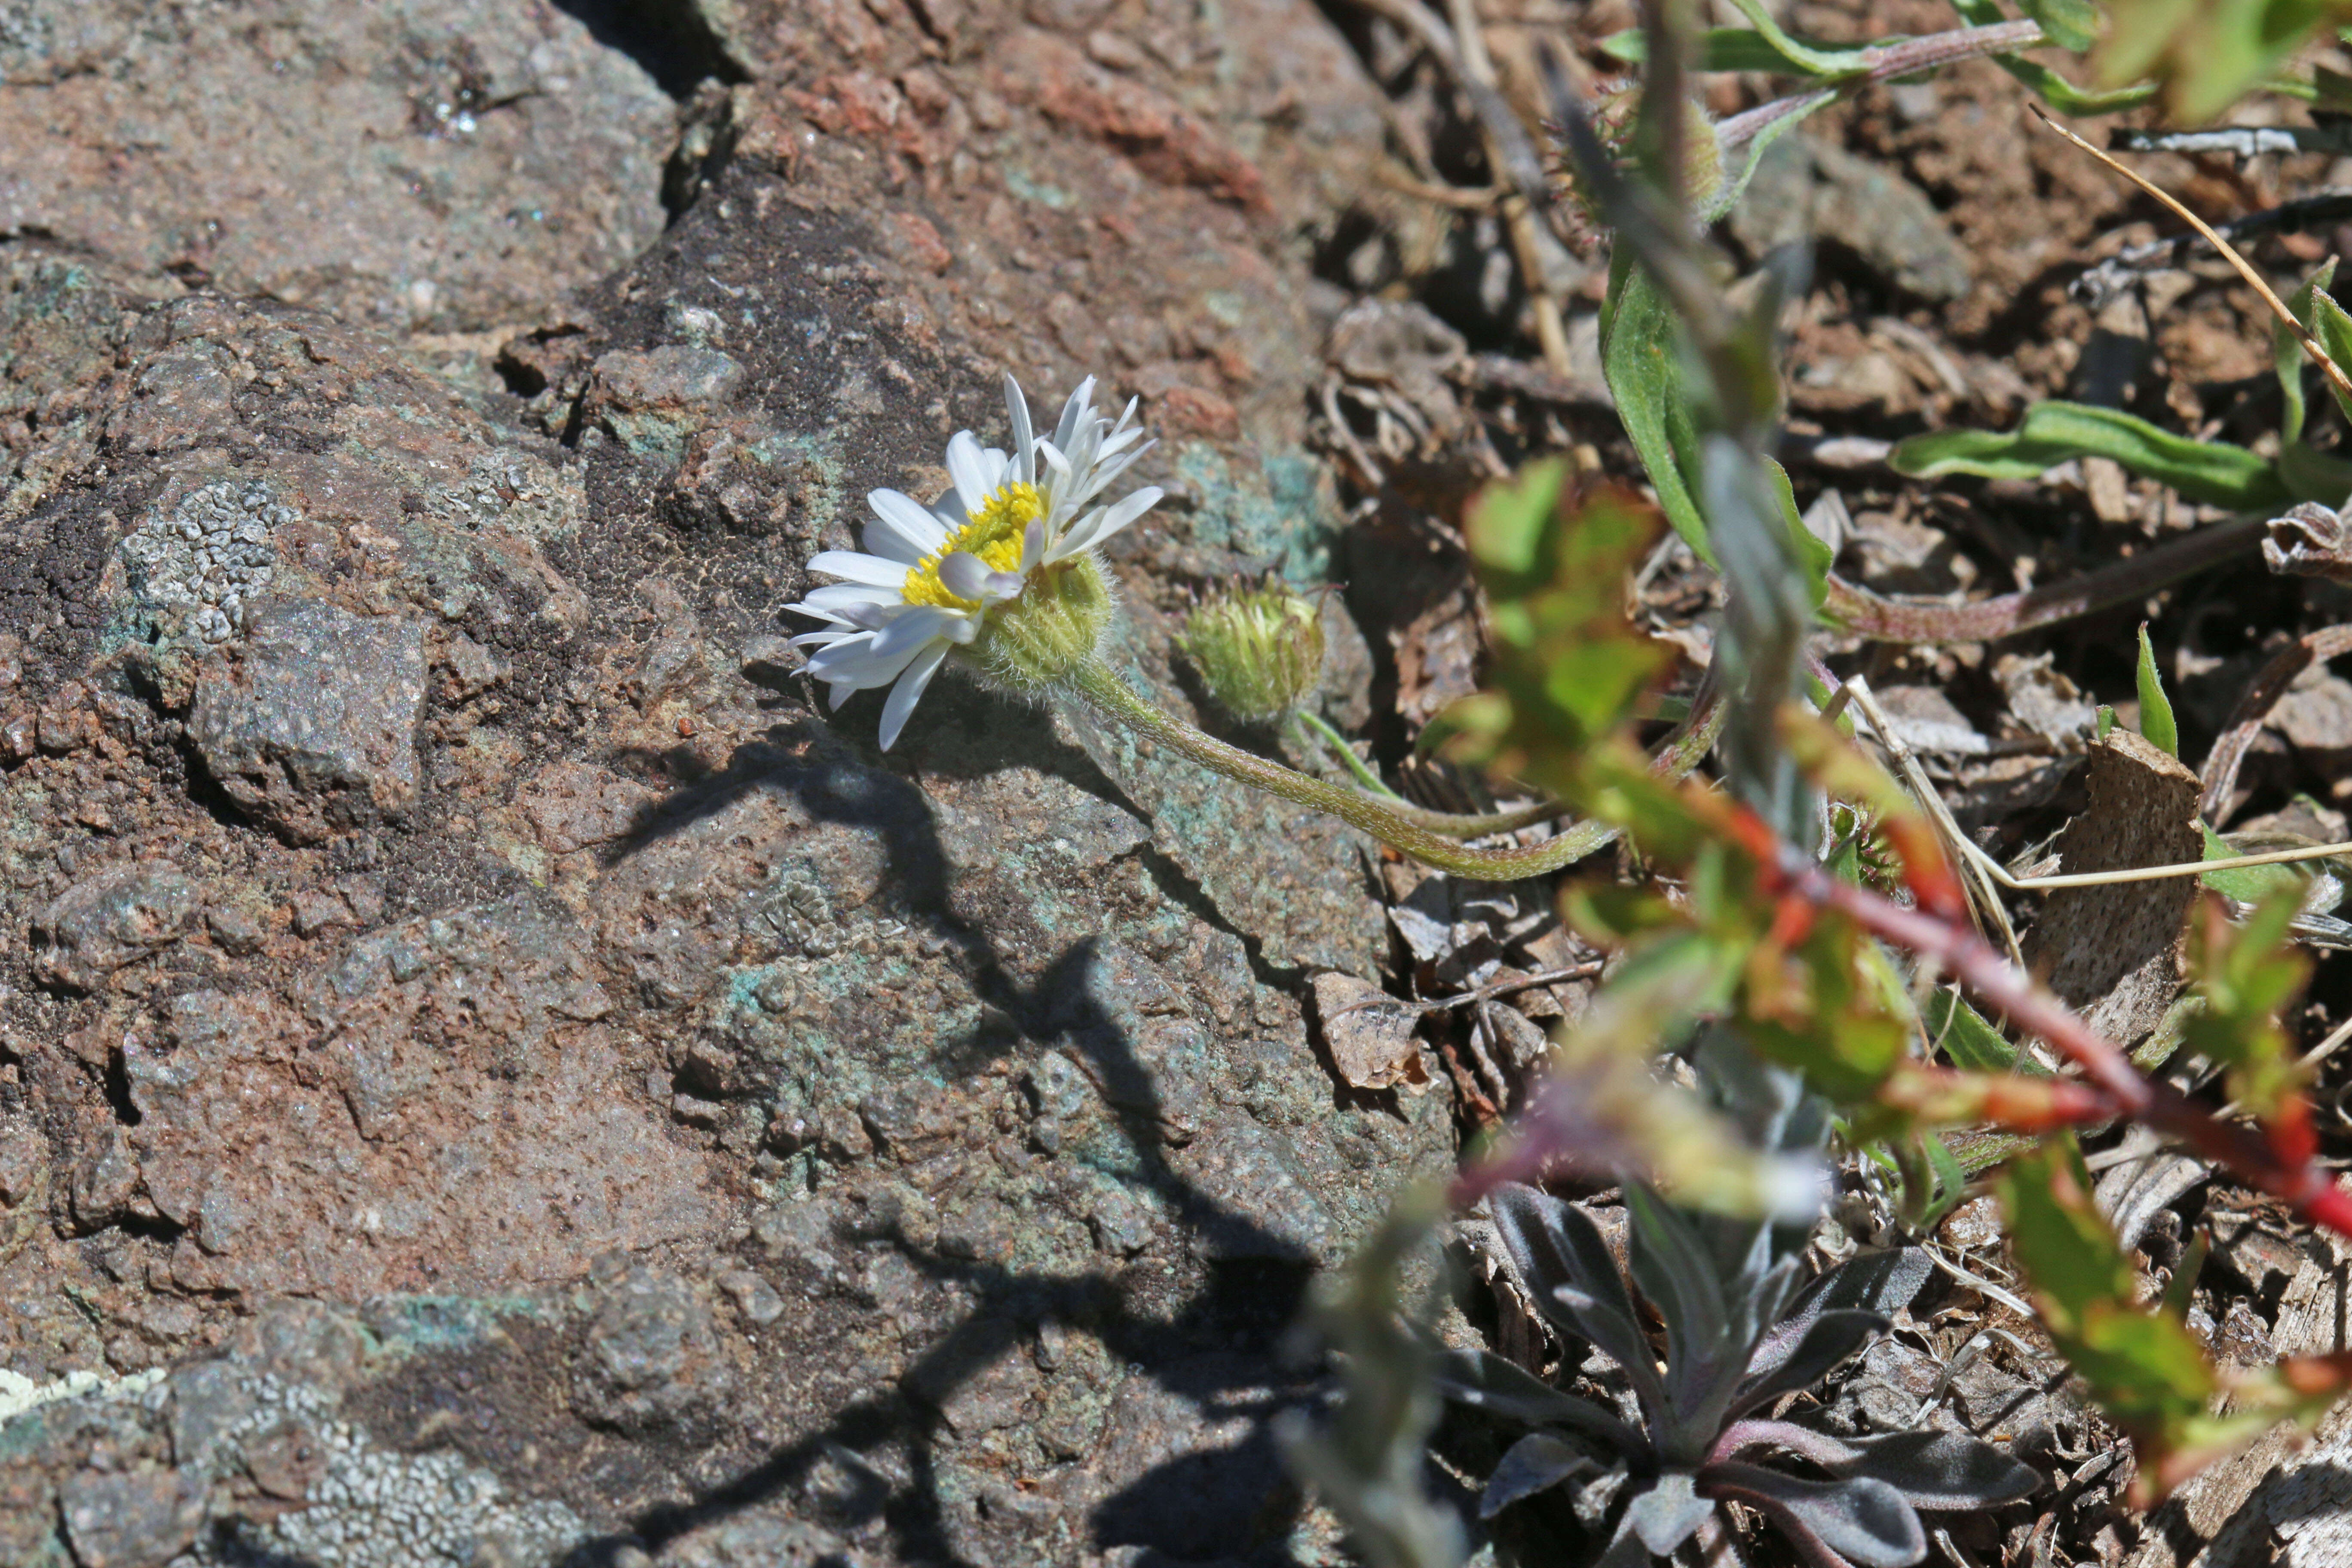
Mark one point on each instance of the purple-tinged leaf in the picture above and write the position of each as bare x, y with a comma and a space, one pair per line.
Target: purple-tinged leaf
1938, 1470
1486, 1381
1570, 1272
1802, 1441
1676, 1271
1668, 1514
1857, 1521
1829, 1339
1533, 1464
1874, 1282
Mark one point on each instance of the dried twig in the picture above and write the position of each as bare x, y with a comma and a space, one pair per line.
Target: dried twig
2113, 276
1478, 199
1982, 895
1472, 998
1513, 158
1460, 51
2228, 752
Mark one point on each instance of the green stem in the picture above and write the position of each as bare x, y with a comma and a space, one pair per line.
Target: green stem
1452, 825
1340, 748
1100, 685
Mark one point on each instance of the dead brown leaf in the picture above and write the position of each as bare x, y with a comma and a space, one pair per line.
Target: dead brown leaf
2113, 952
1372, 1045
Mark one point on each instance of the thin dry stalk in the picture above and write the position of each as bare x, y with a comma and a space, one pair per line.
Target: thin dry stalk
2336, 374
1983, 898
1478, 70
2221, 763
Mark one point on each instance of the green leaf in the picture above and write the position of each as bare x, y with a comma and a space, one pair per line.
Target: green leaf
2052, 89
2069, 99
2156, 720
2249, 884
2057, 1233
2206, 54
1570, 671
1727, 194
1719, 49
1930, 1179
2105, 721
1808, 58
2070, 24
2145, 1369
2321, 477
2287, 355
2332, 327
2053, 433
1971, 1042
2246, 975
1813, 553
1642, 360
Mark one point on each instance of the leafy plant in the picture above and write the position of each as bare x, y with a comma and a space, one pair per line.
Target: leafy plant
2145, 1368
1742, 1329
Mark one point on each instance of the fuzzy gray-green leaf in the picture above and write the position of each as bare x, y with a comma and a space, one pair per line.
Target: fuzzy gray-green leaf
1939, 1469
1533, 1464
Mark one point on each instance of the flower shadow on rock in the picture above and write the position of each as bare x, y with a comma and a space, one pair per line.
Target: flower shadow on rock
1186, 1462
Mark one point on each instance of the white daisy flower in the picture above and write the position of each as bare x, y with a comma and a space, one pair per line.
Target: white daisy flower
935, 579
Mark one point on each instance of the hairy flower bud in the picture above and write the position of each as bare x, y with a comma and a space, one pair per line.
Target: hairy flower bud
1259, 651
1031, 642
1613, 114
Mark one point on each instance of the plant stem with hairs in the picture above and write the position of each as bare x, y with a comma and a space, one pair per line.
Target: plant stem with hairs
1431, 837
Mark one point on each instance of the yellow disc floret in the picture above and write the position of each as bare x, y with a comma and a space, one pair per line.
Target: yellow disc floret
994, 533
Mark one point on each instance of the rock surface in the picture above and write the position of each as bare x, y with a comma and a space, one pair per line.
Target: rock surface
425, 164
487, 1069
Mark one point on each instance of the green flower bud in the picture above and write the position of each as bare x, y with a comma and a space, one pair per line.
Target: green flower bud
1031, 642
1613, 112
1259, 651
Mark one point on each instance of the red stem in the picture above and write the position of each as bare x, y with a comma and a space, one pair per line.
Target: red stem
1998, 984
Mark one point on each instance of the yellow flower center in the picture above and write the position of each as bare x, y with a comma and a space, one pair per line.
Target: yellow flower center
994, 533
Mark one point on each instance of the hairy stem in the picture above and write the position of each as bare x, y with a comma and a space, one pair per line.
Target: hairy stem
1100, 685
1886, 63
1891, 620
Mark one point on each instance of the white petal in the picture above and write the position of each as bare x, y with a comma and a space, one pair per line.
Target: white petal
919, 624
968, 468
1002, 586
871, 570
839, 629
962, 574
909, 690
1081, 404
1033, 545
861, 664
997, 466
1052, 453
1025, 440
837, 693
1103, 521
847, 599
908, 521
